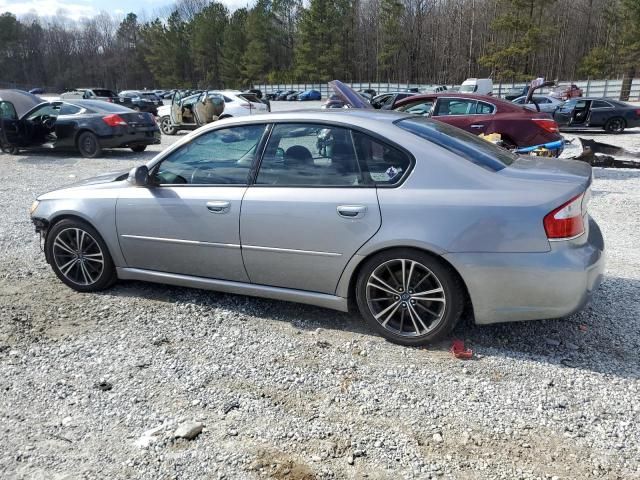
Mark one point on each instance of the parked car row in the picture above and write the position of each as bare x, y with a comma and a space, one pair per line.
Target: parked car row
87, 126
194, 111
140, 101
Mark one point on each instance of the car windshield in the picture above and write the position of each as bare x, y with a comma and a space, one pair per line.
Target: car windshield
468, 146
150, 96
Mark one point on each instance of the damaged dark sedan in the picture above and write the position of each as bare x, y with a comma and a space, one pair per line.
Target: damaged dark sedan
88, 126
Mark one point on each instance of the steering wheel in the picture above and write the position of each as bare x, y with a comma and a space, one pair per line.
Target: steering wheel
47, 121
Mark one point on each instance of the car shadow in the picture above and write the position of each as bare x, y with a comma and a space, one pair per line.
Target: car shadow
603, 338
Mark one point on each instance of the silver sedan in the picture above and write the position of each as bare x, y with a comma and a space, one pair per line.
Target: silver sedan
545, 103
409, 220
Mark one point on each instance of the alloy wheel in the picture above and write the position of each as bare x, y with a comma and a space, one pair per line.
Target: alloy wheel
405, 297
78, 256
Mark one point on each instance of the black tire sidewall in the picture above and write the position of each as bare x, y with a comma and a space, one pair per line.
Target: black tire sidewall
139, 148
451, 284
98, 150
608, 128
108, 275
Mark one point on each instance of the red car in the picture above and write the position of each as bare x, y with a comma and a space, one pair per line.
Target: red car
521, 129
566, 92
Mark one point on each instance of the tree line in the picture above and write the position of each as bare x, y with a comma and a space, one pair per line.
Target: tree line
202, 44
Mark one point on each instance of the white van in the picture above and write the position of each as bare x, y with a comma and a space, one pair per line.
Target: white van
481, 86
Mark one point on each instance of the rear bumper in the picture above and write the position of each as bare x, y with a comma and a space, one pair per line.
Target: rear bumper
506, 287
129, 139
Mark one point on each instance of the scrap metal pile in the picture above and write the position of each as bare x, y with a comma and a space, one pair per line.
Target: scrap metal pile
599, 154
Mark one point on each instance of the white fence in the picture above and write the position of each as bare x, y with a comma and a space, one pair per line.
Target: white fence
590, 88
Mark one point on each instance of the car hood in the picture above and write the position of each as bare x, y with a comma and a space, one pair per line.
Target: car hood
104, 178
348, 95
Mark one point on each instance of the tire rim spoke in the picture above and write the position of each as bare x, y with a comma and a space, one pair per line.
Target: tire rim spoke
77, 256
415, 307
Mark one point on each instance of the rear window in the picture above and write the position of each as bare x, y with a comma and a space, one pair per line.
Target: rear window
104, 93
463, 144
103, 107
151, 96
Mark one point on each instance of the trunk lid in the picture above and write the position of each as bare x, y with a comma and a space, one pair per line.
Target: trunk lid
138, 119
550, 170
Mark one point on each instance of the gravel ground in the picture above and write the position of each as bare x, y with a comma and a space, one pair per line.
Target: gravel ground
94, 386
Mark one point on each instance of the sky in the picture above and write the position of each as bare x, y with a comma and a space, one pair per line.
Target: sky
77, 9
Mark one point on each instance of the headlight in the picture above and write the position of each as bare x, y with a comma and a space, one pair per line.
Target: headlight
34, 206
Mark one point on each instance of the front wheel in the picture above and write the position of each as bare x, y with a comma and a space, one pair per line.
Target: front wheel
89, 145
409, 297
615, 125
139, 148
166, 127
79, 257
11, 150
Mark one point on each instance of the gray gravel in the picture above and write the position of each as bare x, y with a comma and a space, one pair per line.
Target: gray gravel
294, 392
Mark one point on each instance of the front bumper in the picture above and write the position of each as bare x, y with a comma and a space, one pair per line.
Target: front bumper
507, 287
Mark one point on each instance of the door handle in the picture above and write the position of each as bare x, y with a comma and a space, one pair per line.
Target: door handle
219, 206
352, 211
477, 125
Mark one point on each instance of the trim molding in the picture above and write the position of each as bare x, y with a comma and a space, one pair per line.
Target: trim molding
290, 250
277, 293
182, 242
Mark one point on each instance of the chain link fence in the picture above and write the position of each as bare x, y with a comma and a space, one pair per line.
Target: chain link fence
590, 88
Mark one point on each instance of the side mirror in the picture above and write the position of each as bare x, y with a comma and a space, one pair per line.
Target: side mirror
139, 176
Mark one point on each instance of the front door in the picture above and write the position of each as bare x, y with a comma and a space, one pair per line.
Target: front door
10, 134
311, 208
188, 223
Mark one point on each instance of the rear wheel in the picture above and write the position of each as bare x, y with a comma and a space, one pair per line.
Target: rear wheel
166, 127
615, 125
409, 297
139, 148
89, 145
79, 257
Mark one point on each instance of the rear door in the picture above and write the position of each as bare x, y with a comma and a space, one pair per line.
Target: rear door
307, 212
468, 114
601, 111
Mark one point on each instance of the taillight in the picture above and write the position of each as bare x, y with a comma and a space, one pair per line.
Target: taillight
638, 113
546, 124
113, 120
566, 221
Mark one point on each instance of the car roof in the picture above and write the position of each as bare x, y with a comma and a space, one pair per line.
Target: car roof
501, 104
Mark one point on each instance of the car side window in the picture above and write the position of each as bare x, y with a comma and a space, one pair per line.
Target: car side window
421, 107
382, 164
8, 111
483, 108
300, 154
67, 109
218, 157
454, 106
600, 104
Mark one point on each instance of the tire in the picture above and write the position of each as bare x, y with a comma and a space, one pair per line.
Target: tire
403, 318
615, 125
89, 271
139, 148
166, 127
89, 145
11, 150
137, 109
